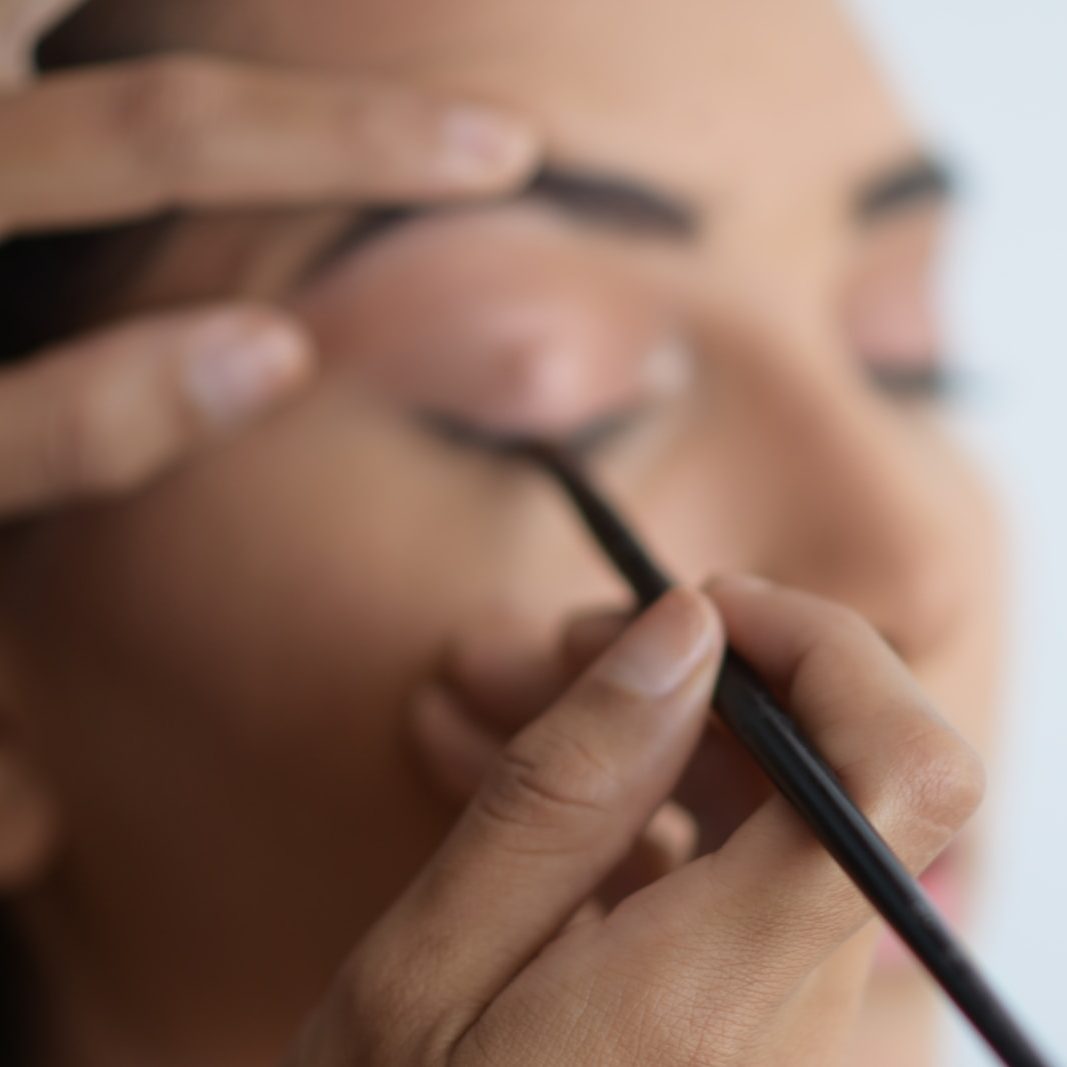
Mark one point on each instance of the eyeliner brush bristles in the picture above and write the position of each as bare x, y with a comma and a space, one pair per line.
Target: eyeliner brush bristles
749, 709
647, 581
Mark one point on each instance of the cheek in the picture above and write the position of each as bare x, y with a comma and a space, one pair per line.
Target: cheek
242, 642
235, 658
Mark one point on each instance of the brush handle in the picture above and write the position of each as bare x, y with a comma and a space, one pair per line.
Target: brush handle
745, 705
749, 710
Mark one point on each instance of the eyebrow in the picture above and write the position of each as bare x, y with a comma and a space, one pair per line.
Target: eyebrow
913, 183
606, 200
632, 207
616, 201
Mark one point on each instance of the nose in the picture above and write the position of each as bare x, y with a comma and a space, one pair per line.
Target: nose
828, 486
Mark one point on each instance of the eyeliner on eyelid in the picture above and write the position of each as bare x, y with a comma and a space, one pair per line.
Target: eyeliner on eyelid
933, 381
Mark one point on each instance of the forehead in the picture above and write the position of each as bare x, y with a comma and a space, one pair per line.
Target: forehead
693, 93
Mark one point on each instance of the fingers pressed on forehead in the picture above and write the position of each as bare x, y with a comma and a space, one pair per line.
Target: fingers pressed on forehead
132, 139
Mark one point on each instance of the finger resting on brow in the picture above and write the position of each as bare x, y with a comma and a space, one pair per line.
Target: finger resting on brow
133, 139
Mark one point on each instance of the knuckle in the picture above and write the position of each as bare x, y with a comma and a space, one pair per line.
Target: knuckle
90, 453
170, 111
949, 780
395, 128
367, 1006
544, 781
378, 995
944, 782
671, 1018
379, 109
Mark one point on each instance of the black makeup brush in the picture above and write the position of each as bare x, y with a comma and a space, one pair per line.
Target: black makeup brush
747, 707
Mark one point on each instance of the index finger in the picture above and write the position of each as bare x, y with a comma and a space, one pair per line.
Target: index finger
133, 139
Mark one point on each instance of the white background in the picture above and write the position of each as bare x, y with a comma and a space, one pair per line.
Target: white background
988, 80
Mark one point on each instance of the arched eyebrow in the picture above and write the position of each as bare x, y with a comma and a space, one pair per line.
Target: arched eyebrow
629, 207
617, 201
909, 184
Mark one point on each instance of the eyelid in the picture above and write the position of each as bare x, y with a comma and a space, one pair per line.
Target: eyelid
591, 437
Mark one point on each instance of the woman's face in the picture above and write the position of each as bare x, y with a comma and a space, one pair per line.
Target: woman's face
214, 674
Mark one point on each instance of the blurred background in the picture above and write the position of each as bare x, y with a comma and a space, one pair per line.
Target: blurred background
988, 81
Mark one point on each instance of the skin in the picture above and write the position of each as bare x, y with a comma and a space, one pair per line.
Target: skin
217, 793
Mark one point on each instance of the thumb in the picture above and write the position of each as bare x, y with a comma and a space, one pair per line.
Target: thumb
562, 805
103, 414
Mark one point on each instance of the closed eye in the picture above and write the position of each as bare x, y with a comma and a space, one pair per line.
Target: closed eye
583, 442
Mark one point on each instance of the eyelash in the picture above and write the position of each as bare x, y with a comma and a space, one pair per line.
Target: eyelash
932, 381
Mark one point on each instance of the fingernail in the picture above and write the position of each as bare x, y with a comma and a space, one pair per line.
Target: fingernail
238, 368
664, 645
479, 143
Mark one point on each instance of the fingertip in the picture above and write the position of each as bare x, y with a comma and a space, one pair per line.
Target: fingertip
240, 362
483, 148
675, 834
665, 645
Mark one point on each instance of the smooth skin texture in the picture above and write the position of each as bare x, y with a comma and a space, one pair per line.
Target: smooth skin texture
218, 792
104, 414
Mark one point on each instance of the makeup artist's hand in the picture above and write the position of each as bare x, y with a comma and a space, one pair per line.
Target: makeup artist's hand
491, 683
103, 414
750, 955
